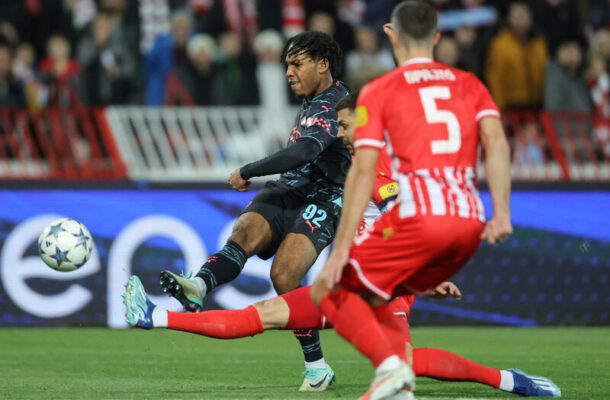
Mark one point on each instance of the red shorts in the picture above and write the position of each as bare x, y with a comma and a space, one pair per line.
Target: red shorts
399, 256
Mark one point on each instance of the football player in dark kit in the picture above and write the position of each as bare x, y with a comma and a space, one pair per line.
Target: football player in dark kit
296, 216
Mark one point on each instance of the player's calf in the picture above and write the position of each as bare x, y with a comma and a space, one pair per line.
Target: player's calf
222, 267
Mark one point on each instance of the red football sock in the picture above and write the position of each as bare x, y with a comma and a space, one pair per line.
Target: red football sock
354, 320
303, 312
393, 328
446, 366
221, 324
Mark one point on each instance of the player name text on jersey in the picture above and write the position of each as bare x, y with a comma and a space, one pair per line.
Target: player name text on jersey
426, 75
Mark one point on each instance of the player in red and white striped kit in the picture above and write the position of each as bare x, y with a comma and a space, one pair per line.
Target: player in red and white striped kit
432, 118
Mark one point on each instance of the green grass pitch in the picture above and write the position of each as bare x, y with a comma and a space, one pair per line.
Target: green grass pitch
82, 363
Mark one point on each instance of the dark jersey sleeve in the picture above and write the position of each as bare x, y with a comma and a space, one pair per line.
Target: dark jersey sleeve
321, 130
284, 160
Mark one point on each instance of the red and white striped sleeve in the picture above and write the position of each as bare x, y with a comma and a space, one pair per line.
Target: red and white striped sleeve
369, 121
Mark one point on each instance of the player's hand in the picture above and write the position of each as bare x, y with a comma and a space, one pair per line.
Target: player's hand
497, 229
333, 269
237, 182
444, 290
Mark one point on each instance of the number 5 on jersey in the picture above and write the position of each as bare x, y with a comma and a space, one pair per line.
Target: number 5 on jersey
428, 96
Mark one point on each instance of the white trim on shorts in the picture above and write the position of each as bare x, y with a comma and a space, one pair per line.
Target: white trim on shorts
366, 282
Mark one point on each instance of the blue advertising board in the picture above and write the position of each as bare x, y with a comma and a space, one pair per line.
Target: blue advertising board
553, 270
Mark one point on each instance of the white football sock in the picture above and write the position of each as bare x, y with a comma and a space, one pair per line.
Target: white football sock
159, 318
507, 382
316, 364
201, 285
388, 364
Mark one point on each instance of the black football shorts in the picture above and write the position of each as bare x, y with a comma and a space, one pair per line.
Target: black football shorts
288, 211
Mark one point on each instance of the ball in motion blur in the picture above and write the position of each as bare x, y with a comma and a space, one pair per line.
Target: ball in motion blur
65, 245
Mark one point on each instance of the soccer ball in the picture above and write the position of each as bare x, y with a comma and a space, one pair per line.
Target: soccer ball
65, 244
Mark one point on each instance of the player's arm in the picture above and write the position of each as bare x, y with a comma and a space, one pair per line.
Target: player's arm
303, 151
497, 170
357, 192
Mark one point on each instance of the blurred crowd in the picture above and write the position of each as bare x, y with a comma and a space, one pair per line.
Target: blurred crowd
539, 54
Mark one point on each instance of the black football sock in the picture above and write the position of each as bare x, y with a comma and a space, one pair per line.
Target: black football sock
310, 343
224, 266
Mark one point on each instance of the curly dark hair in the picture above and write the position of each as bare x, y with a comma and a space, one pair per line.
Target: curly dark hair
318, 46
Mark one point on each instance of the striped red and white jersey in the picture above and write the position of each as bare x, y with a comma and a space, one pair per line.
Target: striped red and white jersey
384, 192
428, 114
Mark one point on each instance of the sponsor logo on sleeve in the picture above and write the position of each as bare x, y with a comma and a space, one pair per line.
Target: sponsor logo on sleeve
362, 116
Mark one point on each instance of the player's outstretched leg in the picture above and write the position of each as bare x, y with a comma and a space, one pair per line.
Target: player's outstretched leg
533, 386
221, 324
138, 305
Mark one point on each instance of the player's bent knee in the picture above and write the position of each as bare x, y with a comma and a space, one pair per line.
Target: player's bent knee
251, 232
284, 281
273, 313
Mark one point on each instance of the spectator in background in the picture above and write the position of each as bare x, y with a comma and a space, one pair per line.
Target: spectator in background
199, 75
237, 72
321, 22
600, 46
24, 71
324, 22
58, 72
168, 52
124, 22
367, 61
154, 16
270, 71
528, 146
11, 92
516, 60
599, 85
82, 13
447, 51
9, 34
24, 64
564, 88
59, 65
598, 81
109, 67
271, 78
470, 50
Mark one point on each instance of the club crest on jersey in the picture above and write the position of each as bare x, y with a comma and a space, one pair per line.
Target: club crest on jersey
388, 233
362, 116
